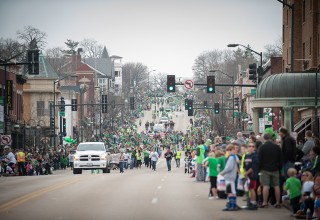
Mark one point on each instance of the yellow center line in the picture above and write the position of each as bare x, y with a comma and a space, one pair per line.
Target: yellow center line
18, 201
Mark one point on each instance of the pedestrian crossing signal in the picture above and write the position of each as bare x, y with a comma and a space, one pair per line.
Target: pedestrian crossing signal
205, 104
104, 103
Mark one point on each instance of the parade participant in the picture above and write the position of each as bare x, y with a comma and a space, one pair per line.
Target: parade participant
168, 155
139, 158
146, 153
71, 159
200, 151
230, 175
121, 162
127, 156
178, 157
154, 158
21, 159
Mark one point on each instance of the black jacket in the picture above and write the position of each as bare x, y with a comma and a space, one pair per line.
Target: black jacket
288, 149
270, 157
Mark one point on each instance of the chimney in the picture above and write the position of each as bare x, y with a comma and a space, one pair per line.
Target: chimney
76, 60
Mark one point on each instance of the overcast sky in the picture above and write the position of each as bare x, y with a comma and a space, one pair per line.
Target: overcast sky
165, 35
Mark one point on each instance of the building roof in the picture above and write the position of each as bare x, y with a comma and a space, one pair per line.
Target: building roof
288, 85
84, 68
45, 70
103, 66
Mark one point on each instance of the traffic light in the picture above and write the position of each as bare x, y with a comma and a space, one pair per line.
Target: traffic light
186, 104
62, 107
51, 122
205, 104
33, 62
236, 101
216, 108
74, 105
211, 84
131, 103
253, 71
104, 103
171, 83
64, 127
190, 107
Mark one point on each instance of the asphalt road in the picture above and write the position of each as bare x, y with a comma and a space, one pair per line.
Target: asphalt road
136, 194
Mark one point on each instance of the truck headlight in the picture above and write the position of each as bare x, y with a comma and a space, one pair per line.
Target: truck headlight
75, 158
103, 157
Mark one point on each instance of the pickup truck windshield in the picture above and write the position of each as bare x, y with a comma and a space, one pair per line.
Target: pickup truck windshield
95, 147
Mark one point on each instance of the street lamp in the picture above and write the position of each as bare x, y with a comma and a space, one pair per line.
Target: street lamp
248, 48
54, 104
232, 78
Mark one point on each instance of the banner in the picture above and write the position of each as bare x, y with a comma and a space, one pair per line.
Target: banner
9, 94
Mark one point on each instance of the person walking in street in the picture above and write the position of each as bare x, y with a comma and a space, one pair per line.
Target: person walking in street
200, 151
154, 158
71, 159
168, 155
213, 164
121, 162
10, 159
178, 157
126, 159
270, 163
21, 159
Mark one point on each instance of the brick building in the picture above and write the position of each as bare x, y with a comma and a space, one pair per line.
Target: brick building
306, 29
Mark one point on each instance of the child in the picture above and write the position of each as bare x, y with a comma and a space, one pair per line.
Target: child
213, 174
251, 172
306, 200
230, 175
293, 184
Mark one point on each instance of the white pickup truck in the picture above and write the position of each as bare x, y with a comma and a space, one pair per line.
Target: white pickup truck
91, 156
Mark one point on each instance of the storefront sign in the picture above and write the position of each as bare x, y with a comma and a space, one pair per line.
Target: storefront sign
9, 94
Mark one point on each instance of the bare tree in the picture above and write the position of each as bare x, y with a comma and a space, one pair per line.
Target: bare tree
133, 72
272, 50
31, 34
158, 81
56, 57
9, 48
91, 48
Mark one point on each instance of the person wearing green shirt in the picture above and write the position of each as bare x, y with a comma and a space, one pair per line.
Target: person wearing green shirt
146, 154
199, 159
213, 164
293, 184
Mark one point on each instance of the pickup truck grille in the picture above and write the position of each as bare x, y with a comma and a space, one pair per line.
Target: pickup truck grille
90, 158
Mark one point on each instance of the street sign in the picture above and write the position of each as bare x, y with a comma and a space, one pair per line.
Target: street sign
6, 140
62, 114
253, 91
189, 84
236, 114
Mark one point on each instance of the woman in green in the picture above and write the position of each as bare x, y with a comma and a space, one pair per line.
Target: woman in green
139, 158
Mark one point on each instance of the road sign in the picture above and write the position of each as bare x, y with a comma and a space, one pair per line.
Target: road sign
6, 140
189, 84
253, 91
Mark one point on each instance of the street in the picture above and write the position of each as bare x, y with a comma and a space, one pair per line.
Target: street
136, 194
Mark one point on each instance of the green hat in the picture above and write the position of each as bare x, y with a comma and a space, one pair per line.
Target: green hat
271, 133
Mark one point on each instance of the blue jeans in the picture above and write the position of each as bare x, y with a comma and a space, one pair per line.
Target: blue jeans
121, 164
154, 165
132, 163
126, 164
169, 165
